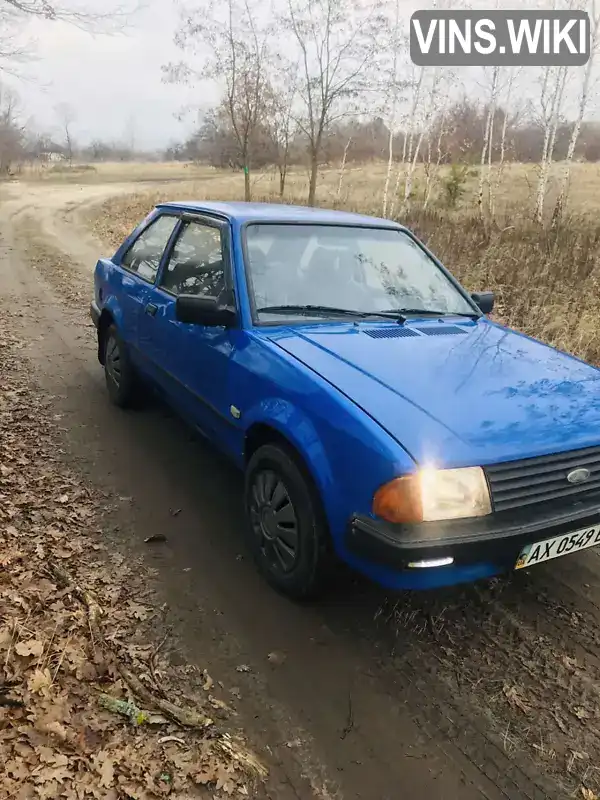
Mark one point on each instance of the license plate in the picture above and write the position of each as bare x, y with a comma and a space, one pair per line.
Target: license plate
558, 546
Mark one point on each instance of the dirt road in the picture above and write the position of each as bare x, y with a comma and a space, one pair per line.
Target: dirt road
485, 692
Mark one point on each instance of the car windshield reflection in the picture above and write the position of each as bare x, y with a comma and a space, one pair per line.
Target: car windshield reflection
360, 270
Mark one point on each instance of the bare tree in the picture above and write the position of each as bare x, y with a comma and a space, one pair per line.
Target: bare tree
343, 169
107, 17
437, 130
394, 89
415, 85
488, 138
237, 58
551, 100
336, 42
584, 99
280, 123
436, 154
66, 117
92, 19
12, 132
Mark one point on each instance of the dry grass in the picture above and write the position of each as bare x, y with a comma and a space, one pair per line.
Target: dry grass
547, 281
115, 172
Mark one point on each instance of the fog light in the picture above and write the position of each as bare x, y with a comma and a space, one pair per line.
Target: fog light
433, 562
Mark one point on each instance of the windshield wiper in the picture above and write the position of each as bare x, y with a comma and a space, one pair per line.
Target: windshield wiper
325, 311
401, 312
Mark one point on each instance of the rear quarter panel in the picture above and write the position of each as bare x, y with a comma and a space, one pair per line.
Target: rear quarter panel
107, 286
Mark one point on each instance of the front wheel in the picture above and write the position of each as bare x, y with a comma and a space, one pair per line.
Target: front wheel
121, 379
286, 525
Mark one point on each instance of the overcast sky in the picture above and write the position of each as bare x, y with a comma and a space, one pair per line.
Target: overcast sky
110, 80
114, 83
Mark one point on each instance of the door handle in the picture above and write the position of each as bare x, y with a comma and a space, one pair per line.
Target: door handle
151, 309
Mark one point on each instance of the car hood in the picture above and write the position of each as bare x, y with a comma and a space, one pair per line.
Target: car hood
455, 394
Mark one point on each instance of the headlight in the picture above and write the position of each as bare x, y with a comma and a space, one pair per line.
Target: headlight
434, 494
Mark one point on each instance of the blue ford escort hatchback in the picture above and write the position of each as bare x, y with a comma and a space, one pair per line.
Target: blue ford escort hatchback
377, 413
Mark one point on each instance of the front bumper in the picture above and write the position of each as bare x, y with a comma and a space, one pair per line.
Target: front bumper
95, 313
496, 539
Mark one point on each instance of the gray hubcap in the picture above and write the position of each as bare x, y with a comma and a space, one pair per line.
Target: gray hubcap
113, 360
274, 521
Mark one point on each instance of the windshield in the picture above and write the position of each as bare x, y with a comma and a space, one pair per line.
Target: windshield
367, 270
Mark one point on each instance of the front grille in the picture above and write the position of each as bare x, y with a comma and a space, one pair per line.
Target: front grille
542, 479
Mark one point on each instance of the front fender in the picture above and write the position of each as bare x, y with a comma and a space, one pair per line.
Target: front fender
295, 426
348, 454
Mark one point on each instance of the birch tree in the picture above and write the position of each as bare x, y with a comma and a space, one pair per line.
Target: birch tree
585, 95
237, 60
498, 102
436, 152
415, 85
552, 94
509, 115
343, 168
394, 87
488, 139
336, 47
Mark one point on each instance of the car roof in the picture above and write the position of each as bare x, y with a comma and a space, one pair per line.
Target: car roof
278, 212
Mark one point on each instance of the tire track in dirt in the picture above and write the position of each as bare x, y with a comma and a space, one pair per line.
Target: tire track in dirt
425, 683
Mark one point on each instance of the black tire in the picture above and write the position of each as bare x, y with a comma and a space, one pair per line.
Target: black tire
121, 378
285, 522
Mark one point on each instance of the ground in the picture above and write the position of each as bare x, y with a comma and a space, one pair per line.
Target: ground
490, 691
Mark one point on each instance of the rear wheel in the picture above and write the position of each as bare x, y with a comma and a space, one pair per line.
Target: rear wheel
121, 379
286, 525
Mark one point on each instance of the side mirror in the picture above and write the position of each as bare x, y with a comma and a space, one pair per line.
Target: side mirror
485, 301
203, 311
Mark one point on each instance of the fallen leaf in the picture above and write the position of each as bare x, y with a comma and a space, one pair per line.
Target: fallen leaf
105, 767
33, 647
513, 696
40, 681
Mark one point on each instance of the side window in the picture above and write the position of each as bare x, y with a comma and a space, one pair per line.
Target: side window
146, 252
196, 264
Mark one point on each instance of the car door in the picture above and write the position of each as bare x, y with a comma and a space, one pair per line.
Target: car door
192, 361
139, 268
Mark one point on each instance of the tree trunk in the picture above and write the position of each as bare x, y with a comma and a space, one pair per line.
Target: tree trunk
342, 170
247, 187
486, 151
549, 142
282, 177
433, 173
314, 173
583, 101
564, 186
410, 173
388, 173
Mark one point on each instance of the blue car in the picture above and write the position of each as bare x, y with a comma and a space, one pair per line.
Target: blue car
379, 416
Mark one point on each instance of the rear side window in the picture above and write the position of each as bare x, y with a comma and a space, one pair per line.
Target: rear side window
144, 256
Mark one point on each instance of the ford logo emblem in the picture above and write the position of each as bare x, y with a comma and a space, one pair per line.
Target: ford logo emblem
578, 475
